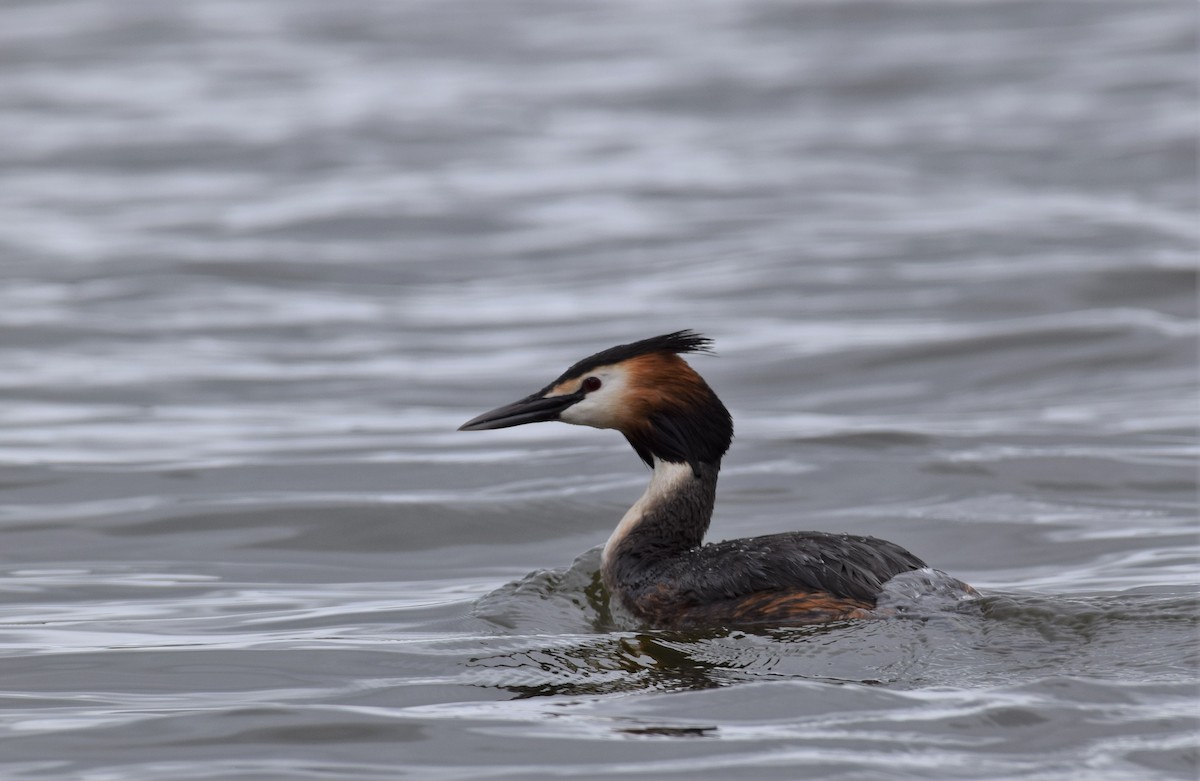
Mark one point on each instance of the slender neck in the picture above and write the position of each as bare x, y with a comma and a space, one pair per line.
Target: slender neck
670, 519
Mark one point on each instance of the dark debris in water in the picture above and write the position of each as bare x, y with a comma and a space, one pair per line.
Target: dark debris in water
670, 732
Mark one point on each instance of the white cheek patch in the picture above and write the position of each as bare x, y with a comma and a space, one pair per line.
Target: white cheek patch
589, 412
602, 407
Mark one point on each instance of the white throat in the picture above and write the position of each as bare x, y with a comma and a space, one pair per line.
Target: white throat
666, 480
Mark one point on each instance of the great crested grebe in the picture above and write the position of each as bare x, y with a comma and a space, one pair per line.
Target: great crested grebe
655, 562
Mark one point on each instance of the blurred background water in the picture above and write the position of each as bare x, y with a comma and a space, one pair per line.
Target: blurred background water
258, 260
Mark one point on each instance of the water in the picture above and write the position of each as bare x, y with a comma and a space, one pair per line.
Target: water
259, 260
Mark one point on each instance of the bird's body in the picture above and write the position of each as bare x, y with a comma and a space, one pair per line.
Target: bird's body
655, 561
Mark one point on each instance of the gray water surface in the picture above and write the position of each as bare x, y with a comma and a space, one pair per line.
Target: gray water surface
259, 260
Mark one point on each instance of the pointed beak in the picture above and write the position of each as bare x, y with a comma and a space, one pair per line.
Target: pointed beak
531, 409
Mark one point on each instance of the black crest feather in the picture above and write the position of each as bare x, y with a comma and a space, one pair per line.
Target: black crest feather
685, 341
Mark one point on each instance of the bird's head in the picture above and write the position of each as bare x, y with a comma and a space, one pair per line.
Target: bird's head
645, 390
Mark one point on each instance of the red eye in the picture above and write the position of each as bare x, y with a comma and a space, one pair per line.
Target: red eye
591, 384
